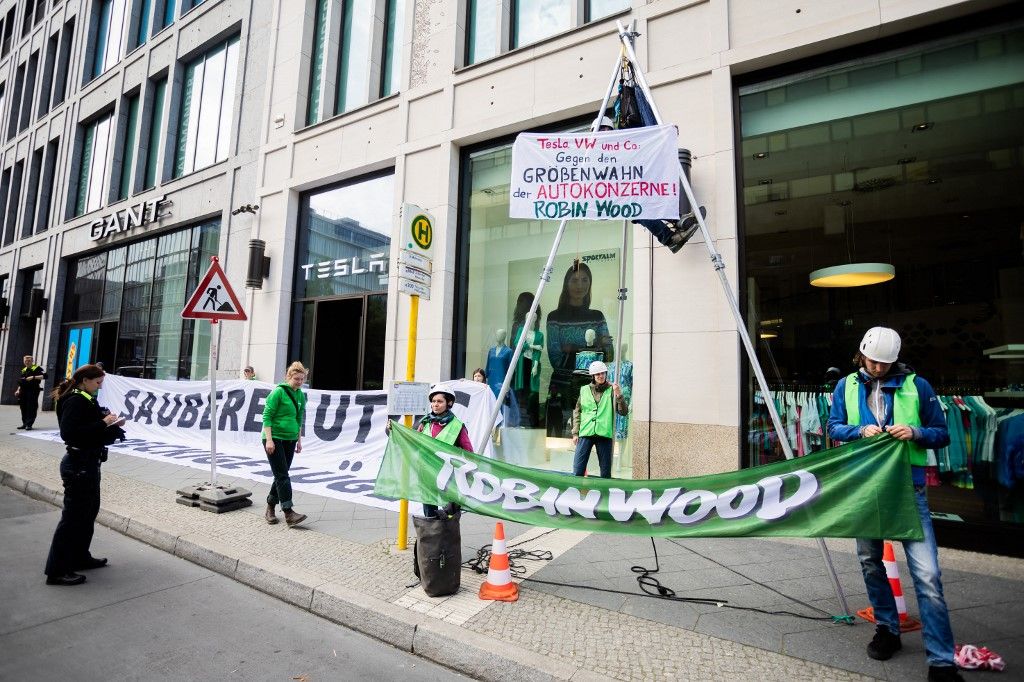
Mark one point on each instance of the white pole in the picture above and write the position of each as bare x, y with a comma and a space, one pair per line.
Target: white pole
213, 403
626, 38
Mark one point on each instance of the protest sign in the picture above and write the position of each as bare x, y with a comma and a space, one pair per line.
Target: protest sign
861, 489
614, 175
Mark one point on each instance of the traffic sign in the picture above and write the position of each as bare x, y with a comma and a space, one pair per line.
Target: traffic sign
407, 286
214, 299
416, 260
415, 274
417, 229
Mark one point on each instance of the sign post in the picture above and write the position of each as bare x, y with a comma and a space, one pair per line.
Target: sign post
414, 267
214, 300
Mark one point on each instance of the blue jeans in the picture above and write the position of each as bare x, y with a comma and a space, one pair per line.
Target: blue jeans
604, 455
658, 228
923, 562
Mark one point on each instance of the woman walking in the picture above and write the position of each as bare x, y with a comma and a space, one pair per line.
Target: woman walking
282, 437
86, 430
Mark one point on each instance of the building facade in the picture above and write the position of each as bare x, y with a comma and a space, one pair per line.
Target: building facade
827, 134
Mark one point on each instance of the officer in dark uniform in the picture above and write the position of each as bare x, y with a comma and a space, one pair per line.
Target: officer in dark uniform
86, 429
30, 383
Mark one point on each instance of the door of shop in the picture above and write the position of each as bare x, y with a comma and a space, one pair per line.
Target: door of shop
348, 343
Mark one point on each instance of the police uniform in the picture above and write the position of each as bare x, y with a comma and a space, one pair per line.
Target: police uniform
84, 432
28, 393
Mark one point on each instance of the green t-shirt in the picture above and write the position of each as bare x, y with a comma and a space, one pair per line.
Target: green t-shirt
281, 415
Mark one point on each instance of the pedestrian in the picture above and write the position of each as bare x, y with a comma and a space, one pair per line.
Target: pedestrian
249, 374
86, 430
445, 427
886, 396
30, 383
283, 418
593, 420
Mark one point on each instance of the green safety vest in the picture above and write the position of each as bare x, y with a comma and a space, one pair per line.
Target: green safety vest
906, 409
33, 368
450, 433
596, 418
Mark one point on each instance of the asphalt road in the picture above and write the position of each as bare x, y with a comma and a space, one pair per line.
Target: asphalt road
152, 616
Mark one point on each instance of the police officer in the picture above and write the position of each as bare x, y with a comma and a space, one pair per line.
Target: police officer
593, 420
30, 383
86, 429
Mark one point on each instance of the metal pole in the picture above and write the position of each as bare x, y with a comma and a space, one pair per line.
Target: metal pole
626, 39
213, 403
545, 275
410, 375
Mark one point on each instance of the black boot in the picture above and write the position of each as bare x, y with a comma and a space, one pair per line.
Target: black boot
68, 579
884, 644
943, 673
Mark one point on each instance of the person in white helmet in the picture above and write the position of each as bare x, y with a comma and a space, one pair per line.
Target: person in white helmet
593, 420
886, 396
442, 424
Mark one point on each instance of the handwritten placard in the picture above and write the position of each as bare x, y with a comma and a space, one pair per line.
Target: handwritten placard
614, 175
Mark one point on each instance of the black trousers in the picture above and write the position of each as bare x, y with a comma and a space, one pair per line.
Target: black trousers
29, 403
280, 463
70, 547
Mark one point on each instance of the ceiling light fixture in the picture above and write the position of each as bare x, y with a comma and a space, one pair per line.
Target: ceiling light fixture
761, 155
853, 275
922, 127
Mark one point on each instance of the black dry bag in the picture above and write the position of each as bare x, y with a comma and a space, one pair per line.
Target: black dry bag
437, 554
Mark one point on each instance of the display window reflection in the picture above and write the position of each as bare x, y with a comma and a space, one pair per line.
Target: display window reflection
910, 159
578, 316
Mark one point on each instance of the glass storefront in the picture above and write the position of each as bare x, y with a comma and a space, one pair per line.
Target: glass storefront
501, 260
123, 306
911, 159
341, 283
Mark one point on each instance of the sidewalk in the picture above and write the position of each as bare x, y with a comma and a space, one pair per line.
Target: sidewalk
342, 566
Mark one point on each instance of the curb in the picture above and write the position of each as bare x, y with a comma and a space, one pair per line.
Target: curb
471, 653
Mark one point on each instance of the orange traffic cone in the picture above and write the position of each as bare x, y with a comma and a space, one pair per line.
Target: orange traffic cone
499, 585
892, 571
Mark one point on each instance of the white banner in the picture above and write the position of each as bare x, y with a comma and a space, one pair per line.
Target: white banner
614, 175
342, 444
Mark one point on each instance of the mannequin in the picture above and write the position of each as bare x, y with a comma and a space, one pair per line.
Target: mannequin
588, 354
526, 381
499, 359
626, 383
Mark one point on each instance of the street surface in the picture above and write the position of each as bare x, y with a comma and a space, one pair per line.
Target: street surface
153, 616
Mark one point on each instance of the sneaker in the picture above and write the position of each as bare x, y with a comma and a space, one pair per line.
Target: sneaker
884, 644
944, 673
685, 229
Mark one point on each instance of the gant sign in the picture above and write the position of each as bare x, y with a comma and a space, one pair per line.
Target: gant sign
130, 218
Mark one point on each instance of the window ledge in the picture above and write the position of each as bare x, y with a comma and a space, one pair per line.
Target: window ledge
357, 114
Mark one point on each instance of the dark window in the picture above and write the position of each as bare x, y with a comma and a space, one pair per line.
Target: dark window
61, 75
10, 223
49, 62
46, 198
31, 194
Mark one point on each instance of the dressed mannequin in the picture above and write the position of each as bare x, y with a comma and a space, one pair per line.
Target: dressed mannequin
526, 381
626, 383
499, 359
588, 354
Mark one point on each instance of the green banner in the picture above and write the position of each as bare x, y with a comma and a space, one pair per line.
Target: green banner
860, 490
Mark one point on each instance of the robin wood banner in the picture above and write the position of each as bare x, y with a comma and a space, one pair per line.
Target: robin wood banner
861, 490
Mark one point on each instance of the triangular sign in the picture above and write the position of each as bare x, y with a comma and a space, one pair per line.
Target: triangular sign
214, 299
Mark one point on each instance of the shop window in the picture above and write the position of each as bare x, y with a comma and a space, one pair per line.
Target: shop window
129, 149
369, 61
207, 103
156, 120
109, 31
46, 198
488, 35
911, 159
92, 174
341, 282
501, 259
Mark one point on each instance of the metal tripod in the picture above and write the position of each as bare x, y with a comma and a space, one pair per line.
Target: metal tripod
628, 54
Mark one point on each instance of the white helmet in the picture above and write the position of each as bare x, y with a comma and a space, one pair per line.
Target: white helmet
598, 367
443, 389
881, 344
